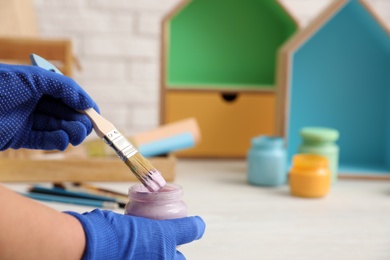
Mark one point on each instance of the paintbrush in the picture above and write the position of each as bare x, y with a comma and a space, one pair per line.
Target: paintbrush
141, 167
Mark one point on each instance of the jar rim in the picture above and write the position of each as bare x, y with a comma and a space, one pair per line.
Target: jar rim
319, 134
265, 140
310, 160
170, 191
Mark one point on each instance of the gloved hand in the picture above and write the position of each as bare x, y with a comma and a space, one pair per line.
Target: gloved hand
37, 109
116, 236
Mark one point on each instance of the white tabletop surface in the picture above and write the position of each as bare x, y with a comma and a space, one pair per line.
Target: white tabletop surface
250, 222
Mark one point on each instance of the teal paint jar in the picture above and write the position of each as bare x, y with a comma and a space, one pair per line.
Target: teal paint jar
267, 160
321, 141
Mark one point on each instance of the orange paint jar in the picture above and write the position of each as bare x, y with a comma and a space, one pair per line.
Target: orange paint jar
309, 176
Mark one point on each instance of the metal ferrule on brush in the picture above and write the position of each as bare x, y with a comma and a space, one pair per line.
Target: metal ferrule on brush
123, 148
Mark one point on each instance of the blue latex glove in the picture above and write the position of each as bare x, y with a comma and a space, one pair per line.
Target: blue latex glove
116, 236
37, 109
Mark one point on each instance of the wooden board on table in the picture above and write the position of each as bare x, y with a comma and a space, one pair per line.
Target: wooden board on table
90, 169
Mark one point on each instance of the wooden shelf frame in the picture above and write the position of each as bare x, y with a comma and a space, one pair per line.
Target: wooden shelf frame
17, 50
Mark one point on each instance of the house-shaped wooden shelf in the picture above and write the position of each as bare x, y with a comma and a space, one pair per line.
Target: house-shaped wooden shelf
336, 73
219, 66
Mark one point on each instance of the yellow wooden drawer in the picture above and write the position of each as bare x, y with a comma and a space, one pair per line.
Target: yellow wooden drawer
226, 126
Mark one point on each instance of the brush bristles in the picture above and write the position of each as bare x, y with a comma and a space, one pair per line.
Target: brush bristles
145, 172
141, 167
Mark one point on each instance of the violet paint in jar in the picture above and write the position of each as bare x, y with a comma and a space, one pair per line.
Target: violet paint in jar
166, 203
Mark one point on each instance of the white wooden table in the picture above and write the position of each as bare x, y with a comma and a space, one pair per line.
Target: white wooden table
250, 222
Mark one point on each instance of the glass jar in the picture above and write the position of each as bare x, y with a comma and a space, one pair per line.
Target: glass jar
321, 141
267, 161
310, 176
166, 203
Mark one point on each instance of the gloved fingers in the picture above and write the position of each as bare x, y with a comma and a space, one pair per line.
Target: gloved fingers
55, 140
179, 256
69, 92
60, 86
75, 131
110, 235
54, 107
188, 229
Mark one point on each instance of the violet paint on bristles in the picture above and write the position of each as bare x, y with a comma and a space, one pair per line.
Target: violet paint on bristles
145, 172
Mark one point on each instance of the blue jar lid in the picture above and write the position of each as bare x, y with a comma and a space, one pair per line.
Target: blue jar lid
268, 141
322, 134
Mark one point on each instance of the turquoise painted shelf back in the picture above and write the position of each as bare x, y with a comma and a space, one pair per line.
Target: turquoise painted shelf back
341, 79
226, 43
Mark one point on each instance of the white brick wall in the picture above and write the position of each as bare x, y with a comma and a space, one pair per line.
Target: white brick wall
117, 43
305, 10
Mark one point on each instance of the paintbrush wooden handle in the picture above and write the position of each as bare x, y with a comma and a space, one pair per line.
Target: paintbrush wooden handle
101, 125
111, 136
142, 168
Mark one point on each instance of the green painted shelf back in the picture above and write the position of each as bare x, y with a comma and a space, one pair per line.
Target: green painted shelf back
226, 43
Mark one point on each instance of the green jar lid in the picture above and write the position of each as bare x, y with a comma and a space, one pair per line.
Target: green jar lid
319, 134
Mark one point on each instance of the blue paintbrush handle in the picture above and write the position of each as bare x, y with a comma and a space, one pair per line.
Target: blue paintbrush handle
70, 200
64, 192
167, 145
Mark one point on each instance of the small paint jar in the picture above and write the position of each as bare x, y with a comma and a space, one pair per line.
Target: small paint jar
310, 176
166, 203
267, 161
321, 141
